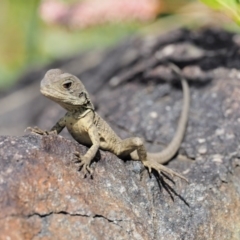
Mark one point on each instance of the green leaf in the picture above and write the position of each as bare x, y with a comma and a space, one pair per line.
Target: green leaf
211, 3
230, 7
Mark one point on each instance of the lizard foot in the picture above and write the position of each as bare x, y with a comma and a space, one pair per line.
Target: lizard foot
39, 131
160, 168
83, 164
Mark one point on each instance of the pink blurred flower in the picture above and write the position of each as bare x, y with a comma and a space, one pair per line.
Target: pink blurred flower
95, 12
52, 11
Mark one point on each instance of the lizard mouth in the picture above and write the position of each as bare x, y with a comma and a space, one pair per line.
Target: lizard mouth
49, 92
58, 96
46, 92
53, 95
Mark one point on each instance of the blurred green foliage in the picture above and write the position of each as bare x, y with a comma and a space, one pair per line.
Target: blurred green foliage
230, 7
26, 41
18, 46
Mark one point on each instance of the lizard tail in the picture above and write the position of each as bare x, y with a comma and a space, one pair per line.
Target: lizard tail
172, 148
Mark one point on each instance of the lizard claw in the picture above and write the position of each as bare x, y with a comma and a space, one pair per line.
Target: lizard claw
87, 170
77, 155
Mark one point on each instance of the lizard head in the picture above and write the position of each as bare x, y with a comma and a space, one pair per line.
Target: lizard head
65, 89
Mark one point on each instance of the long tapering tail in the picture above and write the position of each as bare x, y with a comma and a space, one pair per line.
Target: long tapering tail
172, 148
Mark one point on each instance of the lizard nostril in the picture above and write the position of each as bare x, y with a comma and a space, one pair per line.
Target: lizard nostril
81, 94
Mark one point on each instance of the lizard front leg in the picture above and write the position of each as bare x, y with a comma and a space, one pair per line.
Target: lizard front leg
85, 161
135, 147
56, 129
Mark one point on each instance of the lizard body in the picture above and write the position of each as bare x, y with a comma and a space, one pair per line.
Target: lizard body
88, 128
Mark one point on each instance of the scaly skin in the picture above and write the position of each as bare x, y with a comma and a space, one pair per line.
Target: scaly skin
88, 128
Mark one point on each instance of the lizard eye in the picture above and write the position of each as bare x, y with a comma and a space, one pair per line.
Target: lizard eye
67, 85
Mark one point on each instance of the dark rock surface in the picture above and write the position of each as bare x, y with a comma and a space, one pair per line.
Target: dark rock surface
43, 196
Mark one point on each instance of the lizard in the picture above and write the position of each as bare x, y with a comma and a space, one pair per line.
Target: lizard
89, 129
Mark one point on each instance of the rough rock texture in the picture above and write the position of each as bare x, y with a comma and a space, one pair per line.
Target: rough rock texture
43, 196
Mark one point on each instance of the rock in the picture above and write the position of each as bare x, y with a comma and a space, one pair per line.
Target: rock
41, 191
43, 196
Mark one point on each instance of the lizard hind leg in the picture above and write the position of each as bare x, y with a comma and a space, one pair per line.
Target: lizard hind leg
135, 147
130, 145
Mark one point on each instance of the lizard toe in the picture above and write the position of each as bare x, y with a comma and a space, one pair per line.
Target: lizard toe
87, 171
171, 172
162, 169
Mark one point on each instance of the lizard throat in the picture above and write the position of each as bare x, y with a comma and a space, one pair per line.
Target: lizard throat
77, 108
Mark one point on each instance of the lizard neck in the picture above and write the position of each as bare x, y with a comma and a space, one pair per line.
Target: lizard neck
81, 113
78, 111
